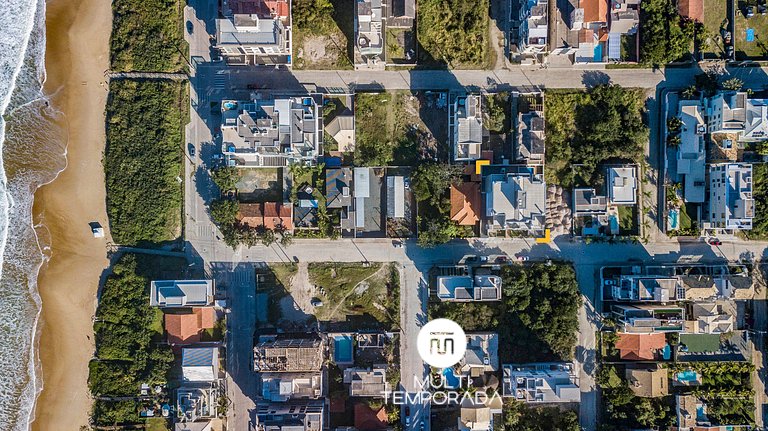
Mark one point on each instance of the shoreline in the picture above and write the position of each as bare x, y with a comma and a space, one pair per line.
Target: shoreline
77, 54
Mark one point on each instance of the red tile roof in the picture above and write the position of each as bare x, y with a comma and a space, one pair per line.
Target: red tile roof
693, 9
264, 8
269, 214
187, 328
595, 10
369, 420
465, 203
640, 347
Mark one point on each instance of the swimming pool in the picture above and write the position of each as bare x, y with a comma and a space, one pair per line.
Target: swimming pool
687, 376
450, 378
342, 349
672, 219
666, 353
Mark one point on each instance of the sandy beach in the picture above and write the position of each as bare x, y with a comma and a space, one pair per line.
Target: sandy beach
77, 55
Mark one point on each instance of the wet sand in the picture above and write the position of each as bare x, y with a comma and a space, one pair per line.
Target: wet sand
77, 54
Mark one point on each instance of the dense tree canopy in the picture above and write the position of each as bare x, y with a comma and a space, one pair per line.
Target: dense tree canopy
664, 36
587, 129
454, 31
520, 417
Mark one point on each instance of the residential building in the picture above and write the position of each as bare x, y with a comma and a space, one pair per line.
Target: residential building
181, 293
693, 9
622, 185
641, 347
734, 113
368, 418
624, 20
530, 28
588, 202
590, 19
284, 386
475, 417
515, 200
195, 403
187, 328
342, 130
395, 196
369, 36
267, 215
530, 138
482, 354
299, 415
272, 131
646, 288
649, 318
465, 203
200, 364
367, 383
692, 415
706, 287
542, 383
691, 153
465, 288
255, 32
401, 13
289, 355
731, 205
709, 318
338, 187
648, 381
467, 127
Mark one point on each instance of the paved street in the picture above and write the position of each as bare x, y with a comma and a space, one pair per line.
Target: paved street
210, 82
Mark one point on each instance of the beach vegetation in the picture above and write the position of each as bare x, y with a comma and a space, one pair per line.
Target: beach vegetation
665, 36
760, 194
431, 184
127, 332
143, 160
520, 417
587, 129
147, 36
454, 33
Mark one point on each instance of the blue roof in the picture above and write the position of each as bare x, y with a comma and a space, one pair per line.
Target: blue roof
197, 357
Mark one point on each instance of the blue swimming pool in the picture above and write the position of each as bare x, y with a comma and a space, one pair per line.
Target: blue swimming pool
673, 218
342, 349
687, 376
450, 378
666, 353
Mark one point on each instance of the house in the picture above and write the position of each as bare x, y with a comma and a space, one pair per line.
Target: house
295, 415
530, 138
367, 383
187, 328
395, 196
641, 347
622, 185
401, 13
730, 112
530, 28
691, 153
367, 419
646, 288
338, 187
255, 32
464, 288
475, 417
731, 206
709, 318
624, 20
692, 415
369, 38
648, 381
267, 215
342, 130
648, 319
196, 402
555, 382
482, 354
200, 364
281, 387
704, 287
590, 20
272, 131
467, 128
465, 203
693, 9
181, 293
515, 200
289, 355
588, 202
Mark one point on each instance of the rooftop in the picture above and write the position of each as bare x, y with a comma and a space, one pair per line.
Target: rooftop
622, 185
648, 381
289, 355
187, 328
465, 203
200, 364
181, 293
468, 127
516, 200
367, 383
461, 288
640, 347
542, 382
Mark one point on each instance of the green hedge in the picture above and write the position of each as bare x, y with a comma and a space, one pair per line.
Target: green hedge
143, 159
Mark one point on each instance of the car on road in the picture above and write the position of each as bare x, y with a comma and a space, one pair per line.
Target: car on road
501, 259
407, 183
483, 258
750, 12
521, 258
397, 244
714, 241
191, 149
407, 416
316, 302
190, 27
421, 426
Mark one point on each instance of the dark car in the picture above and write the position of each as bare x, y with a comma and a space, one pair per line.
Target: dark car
715, 241
190, 27
191, 149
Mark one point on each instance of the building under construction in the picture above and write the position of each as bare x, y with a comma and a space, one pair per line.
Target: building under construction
289, 355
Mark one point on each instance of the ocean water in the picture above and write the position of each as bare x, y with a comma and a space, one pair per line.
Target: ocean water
32, 155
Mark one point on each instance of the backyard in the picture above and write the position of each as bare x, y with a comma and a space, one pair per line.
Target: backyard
400, 128
322, 34
454, 33
715, 18
760, 194
751, 35
260, 185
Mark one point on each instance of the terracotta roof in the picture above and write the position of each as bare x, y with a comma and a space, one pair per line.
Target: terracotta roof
186, 328
640, 347
262, 8
465, 203
369, 420
595, 10
693, 9
586, 35
650, 382
269, 214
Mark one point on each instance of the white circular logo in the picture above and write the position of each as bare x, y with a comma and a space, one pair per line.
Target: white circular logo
441, 343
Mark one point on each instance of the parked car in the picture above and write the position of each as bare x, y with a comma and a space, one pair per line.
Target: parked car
715, 241
727, 37
421, 426
316, 302
191, 149
501, 259
397, 244
190, 27
407, 415
407, 183
750, 12
521, 258
483, 258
